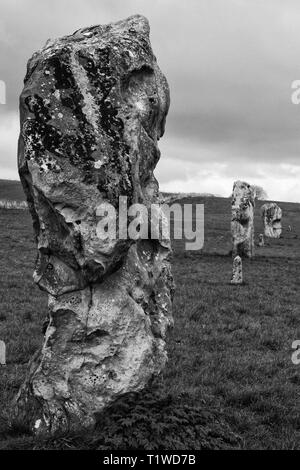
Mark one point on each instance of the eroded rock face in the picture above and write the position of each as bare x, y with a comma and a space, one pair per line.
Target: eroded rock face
242, 217
237, 271
271, 215
92, 110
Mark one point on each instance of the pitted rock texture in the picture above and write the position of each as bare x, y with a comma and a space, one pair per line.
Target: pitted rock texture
92, 110
237, 271
271, 215
242, 219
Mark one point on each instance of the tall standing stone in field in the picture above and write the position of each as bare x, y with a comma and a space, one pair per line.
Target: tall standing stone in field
271, 215
242, 219
261, 240
237, 271
92, 110
2, 353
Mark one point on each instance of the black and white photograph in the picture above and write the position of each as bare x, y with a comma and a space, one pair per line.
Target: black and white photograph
149, 229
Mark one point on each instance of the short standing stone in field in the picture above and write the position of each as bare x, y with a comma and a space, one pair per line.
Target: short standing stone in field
2, 353
242, 219
92, 110
261, 240
237, 271
271, 215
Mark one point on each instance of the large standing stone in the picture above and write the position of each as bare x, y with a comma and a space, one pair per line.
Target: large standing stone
271, 215
242, 219
92, 110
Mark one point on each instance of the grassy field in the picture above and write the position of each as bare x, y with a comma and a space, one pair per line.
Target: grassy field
230, 381
11, 190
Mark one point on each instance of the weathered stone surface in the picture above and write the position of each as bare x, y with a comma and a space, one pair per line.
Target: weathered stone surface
237, 271
2, 353
92, 110
242, 219
271, 215
261, 240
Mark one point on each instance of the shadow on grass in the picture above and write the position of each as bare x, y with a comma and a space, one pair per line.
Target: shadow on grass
147, 420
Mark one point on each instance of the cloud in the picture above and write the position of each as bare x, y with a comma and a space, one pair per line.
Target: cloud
229, 64
9, 130
187, 166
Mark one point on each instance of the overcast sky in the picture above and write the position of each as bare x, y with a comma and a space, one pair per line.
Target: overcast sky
229, 64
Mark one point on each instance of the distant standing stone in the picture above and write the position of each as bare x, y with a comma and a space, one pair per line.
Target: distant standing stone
271, 215
242, 219
2, 353
237, 271
261, 240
